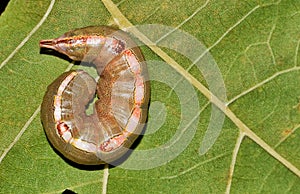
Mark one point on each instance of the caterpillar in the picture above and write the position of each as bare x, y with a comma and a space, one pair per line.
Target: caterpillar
123, 91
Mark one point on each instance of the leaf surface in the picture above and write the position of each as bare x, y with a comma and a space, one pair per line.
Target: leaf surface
255, 45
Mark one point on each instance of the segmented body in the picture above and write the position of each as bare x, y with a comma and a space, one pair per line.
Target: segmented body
123, 92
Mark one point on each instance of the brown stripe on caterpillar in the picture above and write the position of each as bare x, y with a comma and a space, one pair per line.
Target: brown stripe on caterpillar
123, 91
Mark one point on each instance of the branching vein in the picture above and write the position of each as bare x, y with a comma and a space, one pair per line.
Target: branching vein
122, 21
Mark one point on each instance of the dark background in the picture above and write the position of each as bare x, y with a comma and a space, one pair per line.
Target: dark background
3, 5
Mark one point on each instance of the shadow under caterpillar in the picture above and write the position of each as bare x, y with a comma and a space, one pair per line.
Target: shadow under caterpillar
123, 92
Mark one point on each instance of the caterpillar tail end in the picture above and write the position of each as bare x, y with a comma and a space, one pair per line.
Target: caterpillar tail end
48, 44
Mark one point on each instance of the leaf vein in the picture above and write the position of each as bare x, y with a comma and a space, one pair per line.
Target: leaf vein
29, 35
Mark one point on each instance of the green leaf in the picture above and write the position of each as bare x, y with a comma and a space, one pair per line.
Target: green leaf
255, 45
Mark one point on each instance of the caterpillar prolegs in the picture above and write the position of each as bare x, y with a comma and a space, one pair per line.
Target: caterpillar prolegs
123, 95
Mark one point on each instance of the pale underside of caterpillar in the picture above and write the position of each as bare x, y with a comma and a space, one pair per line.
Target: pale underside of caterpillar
122, 90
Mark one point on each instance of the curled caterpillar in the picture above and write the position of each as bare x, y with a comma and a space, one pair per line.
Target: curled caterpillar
123, 95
